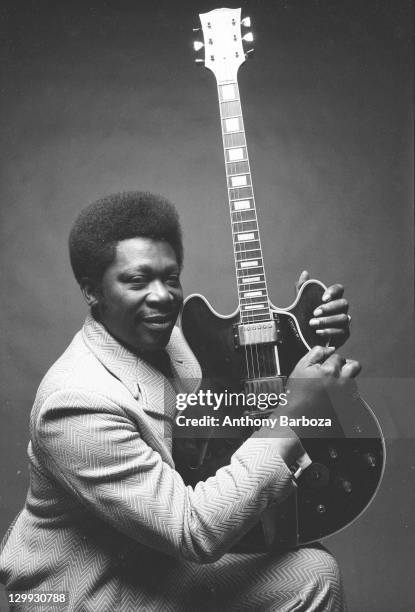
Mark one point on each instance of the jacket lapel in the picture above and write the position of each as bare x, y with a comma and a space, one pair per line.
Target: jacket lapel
144, 381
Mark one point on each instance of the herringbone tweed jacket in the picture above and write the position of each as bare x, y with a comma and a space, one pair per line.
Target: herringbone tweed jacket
107, 518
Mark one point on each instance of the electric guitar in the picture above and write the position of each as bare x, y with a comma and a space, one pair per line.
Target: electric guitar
255, 348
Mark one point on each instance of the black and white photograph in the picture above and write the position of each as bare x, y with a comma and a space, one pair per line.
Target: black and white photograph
208, 306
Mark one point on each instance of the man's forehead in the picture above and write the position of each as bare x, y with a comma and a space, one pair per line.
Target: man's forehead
143, 252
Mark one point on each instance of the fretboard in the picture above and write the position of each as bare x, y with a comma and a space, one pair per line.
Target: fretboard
249, 265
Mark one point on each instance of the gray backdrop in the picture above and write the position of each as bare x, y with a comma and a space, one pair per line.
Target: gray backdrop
102, 96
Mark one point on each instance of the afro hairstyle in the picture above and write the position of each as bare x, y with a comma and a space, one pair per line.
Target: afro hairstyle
101, 225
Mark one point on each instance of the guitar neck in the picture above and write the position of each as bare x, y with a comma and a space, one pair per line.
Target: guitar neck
247, 250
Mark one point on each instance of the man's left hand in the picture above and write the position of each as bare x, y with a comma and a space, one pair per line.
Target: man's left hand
331, 320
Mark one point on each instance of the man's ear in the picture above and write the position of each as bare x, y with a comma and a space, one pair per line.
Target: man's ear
91, 291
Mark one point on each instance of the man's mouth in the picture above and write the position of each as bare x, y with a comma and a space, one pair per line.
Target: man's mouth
158, 322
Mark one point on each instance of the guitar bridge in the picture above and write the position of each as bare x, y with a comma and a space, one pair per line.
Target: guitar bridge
255, 333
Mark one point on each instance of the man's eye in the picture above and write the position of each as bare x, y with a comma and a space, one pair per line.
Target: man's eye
173, 280
138, 280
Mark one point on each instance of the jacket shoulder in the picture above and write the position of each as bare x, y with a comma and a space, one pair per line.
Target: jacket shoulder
78, 368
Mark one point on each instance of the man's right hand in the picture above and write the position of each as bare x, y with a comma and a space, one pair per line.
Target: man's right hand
320, 371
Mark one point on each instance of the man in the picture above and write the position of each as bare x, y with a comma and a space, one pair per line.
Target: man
108, 522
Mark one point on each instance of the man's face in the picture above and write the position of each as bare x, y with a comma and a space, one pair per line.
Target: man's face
140, 295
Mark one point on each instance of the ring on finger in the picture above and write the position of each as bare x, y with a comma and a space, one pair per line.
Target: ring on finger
349, 318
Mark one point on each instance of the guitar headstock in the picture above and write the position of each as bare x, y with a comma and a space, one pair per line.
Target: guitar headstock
223, 45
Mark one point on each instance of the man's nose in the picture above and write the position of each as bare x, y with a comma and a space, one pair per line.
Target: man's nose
159, 292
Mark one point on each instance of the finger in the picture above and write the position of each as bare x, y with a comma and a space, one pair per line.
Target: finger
333, 292
334, 336
340, 321
335, 360
304, 276
332, 331
334, 307
333, 365
351, 368
318, 354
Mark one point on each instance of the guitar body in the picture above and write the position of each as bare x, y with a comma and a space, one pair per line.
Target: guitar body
211, 336
347, 467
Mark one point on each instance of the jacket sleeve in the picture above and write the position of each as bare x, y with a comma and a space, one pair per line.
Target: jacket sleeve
89, 445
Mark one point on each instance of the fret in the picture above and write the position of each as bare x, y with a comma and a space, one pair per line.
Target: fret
252, 286
239, 216
230, 109
239, 245
234, 116
253, 314
249, 287
241, 220
257, 251
259, 317
240, 193
241, 167
253, 301
258, 307
242, 247
234, 140
232, 132
258, 298
257, 271
242, 226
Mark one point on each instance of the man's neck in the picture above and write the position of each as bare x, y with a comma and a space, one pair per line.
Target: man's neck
158, 359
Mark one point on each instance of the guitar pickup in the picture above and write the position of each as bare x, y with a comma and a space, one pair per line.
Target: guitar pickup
255, 333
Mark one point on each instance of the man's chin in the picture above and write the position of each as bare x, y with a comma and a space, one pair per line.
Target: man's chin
155, 340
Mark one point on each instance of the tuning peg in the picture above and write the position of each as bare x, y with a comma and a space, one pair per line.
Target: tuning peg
198, 60
250, 52
197, 45
249, 37
246, 22
196, 29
